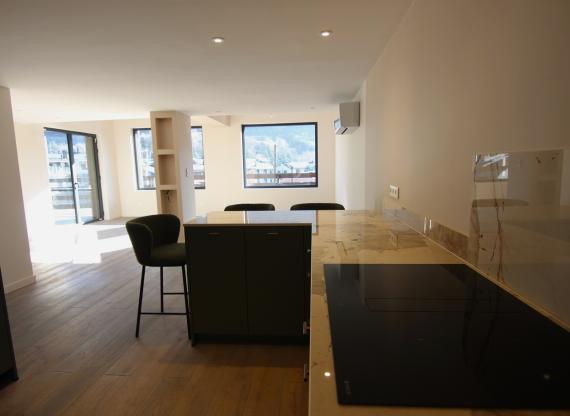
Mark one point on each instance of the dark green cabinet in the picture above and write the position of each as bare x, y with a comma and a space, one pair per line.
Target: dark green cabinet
217, 283
275, 281
7, 359
250, 280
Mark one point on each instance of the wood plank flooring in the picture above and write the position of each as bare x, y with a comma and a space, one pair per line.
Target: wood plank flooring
77, 354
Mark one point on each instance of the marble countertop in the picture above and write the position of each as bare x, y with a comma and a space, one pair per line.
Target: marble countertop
255, 217
352, 237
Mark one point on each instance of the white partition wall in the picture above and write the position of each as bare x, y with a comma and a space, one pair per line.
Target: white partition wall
14, 248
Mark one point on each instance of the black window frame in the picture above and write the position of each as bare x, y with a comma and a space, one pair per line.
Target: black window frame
204, 151
69, 134
303, 123
137, 160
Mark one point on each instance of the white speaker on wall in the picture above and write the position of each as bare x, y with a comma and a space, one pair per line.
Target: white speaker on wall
349, 119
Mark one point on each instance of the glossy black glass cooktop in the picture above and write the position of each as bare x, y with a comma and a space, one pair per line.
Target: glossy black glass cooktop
442, 336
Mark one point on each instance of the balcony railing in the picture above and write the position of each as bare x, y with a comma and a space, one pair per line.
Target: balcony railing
276, 179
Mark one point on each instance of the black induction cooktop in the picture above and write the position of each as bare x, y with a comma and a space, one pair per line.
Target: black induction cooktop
441, 336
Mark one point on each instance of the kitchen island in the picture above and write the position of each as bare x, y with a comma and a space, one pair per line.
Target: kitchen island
353, 237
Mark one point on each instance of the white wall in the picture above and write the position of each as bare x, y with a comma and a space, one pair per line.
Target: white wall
350, 157
32, 157
223, 165
223, 161
134, 203
14, 248
462, 77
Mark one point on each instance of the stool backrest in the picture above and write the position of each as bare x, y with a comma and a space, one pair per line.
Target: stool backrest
321, 206
152, 231
250, 207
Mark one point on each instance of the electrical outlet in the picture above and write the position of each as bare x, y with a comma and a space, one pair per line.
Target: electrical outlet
394, 192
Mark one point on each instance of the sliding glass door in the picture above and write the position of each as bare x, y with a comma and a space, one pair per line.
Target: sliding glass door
74, 176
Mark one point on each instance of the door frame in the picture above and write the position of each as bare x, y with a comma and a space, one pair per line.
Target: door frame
69, 134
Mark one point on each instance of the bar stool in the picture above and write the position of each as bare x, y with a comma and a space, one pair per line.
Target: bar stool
155, 243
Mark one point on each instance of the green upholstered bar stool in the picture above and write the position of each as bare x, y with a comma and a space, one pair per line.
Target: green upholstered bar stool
321, 206
155, 242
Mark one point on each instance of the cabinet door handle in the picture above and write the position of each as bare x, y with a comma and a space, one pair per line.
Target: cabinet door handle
214, 234
306, 328
273, 234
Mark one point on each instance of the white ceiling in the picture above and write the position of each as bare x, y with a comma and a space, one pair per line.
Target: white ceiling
70, 60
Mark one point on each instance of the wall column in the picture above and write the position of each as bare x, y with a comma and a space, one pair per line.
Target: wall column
14, 247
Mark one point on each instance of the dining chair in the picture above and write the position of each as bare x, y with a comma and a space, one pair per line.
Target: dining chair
320, 206
250, 207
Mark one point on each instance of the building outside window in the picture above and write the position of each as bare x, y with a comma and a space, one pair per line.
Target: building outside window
144, 158
198, 158
280, 155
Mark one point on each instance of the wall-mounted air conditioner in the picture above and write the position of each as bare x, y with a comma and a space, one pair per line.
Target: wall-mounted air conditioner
349, 119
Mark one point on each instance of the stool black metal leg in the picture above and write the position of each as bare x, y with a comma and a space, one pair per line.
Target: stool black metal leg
140, 302
161, 290
186, 300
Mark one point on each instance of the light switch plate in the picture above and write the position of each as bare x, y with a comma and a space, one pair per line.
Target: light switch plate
394, 192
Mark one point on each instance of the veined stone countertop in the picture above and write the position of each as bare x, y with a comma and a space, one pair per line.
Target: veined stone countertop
353, 237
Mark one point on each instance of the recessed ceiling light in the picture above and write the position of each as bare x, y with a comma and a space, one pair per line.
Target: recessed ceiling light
327, 373
326, 33
218, 40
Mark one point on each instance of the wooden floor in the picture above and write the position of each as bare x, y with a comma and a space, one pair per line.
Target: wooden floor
77, 354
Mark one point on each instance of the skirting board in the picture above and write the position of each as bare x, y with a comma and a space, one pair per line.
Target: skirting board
25, 281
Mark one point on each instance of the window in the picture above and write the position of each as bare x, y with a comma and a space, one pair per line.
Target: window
280, 155
198, 158
73, 170
144, 159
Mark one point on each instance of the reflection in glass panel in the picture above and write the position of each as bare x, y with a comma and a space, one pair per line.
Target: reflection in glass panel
492, 167
520, 227
198, 158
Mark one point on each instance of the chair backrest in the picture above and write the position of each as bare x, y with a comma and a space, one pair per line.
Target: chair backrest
152, 231
250, 207
321, 206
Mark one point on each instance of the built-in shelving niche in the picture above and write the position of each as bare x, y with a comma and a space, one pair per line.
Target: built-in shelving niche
170, 130
169, 202
167, 169
164, 134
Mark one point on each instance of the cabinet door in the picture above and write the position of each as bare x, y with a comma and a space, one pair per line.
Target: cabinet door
307, 237
275, 280
216, 270
5, 345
